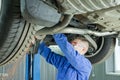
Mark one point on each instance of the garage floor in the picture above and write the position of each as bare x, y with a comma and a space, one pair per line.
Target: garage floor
13, 71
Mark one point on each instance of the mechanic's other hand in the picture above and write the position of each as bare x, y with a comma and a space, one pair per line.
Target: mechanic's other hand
31, 44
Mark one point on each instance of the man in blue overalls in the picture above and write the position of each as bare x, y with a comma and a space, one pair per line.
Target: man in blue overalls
72, 66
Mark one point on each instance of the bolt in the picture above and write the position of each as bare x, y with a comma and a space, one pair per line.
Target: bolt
95, 16
106, 23
101, 18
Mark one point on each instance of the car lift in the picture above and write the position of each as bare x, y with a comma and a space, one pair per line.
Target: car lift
33, 63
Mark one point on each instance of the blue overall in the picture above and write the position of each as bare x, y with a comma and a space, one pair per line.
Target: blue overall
72, 66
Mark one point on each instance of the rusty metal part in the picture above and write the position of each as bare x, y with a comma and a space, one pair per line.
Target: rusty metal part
107, 18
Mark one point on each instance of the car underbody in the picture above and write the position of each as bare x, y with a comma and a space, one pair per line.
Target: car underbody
96, 20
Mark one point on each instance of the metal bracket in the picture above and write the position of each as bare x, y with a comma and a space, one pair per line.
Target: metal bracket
119, 39
91, 41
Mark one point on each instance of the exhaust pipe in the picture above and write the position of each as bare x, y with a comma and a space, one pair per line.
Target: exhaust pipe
85, 32
75, 31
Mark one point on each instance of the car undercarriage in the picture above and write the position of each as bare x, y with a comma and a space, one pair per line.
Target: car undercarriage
96, 20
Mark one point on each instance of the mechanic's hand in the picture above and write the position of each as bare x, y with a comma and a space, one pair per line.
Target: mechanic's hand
31, 44
35, 38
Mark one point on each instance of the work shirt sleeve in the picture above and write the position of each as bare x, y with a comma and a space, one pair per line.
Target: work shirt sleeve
79, 62
51, 57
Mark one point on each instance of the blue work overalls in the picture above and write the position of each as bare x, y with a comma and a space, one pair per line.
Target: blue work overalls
72, 66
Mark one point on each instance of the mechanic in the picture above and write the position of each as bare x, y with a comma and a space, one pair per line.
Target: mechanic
72, 66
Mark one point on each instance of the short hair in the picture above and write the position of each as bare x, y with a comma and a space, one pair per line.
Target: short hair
80, 37
72, 37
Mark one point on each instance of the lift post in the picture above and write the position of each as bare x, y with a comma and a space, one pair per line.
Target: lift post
33, 67
33, 63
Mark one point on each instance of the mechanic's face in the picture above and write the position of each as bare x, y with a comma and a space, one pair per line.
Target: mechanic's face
80, 46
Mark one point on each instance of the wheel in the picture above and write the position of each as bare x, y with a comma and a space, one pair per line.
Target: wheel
105, 49
14, 31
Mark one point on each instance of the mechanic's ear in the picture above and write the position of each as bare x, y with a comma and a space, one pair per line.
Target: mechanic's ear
73, 43
84, 49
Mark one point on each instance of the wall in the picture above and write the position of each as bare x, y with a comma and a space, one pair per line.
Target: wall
99, 73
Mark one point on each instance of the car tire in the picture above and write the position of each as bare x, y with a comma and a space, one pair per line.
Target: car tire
105, 51
15, 32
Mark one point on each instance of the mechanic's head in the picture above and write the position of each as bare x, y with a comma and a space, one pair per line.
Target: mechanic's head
79, 43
